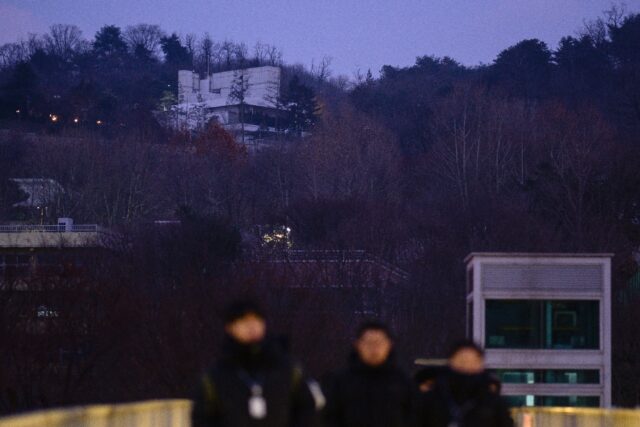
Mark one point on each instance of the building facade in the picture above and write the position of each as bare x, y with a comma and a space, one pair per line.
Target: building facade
261, 87
545, 323
243, 101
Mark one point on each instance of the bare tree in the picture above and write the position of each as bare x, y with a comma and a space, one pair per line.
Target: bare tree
322, 70
226, 53
260, 53
144, 38
11, 54
206, 49
266, 54
190, 42
238, 95
63, 40
241, 54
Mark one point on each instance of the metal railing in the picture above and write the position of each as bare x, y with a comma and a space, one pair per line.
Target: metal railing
36, 228
156, 413
576, 417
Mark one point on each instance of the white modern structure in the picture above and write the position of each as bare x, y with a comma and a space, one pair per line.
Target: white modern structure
262, 87
243, 100
545, 323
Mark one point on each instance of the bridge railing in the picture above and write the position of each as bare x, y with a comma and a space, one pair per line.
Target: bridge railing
156, 413
576, 417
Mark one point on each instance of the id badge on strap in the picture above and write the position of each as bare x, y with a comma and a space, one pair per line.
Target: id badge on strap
257, 403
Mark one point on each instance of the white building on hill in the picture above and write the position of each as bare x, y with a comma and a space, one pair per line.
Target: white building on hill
243, 100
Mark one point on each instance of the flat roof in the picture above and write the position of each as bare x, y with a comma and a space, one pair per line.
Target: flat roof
539, 255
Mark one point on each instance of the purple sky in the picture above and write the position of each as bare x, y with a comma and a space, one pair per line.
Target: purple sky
357, 34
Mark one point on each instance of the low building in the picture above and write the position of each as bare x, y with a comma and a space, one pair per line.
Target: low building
545, 323
31, 252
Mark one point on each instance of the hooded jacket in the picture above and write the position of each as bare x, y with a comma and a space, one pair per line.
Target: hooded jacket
365, 396
223, 395
464, 401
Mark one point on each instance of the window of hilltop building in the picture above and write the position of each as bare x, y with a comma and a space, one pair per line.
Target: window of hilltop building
540, 324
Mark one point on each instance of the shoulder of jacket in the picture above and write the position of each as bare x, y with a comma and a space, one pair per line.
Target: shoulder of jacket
208, 386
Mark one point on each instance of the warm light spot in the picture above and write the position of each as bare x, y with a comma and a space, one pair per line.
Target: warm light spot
98, 122
17, 111
54, 118
76, 120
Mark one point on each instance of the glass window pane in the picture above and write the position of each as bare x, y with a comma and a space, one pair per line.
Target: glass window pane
513, 324
542, 324
548, 376
572, 324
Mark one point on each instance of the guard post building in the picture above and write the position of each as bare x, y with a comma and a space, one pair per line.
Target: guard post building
545, 323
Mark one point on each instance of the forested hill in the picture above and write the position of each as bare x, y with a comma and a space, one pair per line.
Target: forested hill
540, 137
537, 151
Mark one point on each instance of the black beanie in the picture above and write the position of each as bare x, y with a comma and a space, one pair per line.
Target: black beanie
241, 308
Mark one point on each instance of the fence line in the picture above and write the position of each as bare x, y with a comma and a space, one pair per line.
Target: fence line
34, 228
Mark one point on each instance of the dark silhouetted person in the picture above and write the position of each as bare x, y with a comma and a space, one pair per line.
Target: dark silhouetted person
462, 396
254, 383
372, 391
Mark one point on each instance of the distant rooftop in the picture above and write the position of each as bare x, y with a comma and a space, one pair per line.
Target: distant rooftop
538, 255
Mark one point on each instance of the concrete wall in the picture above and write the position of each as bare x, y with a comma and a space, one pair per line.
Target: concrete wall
41, 240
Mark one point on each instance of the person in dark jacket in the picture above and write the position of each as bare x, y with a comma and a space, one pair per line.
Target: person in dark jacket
254, 383
372, 391
462, 396
426, 378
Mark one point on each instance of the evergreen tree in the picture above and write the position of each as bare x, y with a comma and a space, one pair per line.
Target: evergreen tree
108, 42
301, 106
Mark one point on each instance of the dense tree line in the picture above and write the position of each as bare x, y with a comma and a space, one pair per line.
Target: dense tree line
537, 151
114, 82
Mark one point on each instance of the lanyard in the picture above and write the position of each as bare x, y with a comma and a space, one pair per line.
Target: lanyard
253, 384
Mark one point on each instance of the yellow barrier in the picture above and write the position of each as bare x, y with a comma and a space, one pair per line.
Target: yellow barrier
177, 413
576, 417
155, 413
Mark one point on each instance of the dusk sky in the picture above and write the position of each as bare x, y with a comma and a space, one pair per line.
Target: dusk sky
356, 34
